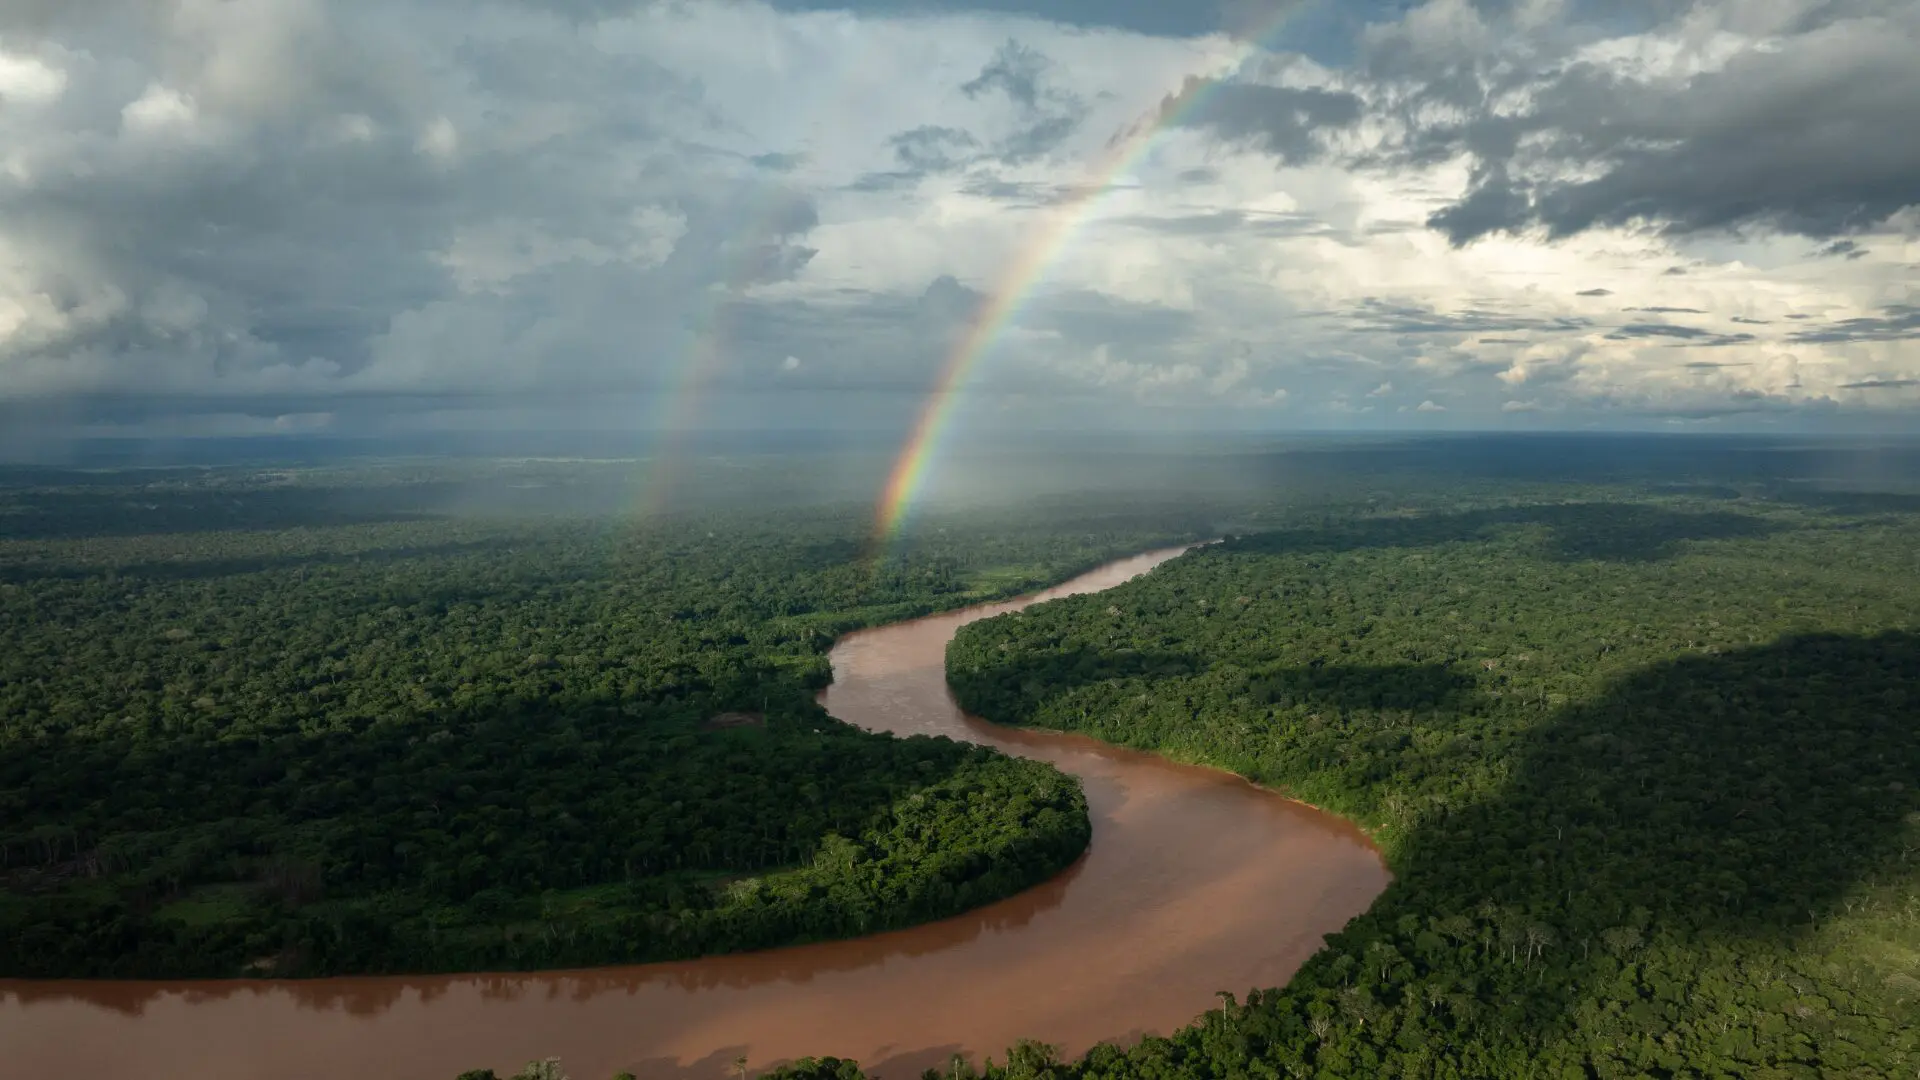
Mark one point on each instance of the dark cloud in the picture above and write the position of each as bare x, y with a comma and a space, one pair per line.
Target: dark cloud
1378, 315
1698, 364
931, 148
1668, 310
1023, 74
1753, 322
1674, 271
912, 330
1283, 121
1901, 322
335, 211
255, 283
1015, 70
916, 330
1848, 248
1683, 335
944, 297
1645, 330
884, 181
1494, 203
779, 162
1880, 384
768, 262
1594, 292
414, 207
1812, 137
1036, 139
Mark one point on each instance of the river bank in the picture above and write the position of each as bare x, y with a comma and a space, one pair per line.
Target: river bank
1196, 881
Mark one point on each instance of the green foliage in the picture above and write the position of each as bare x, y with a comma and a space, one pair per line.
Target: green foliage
829, 1068
375, 740
1648, 776
1647, 771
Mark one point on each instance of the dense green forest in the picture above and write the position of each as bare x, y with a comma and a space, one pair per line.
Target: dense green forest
1647, 772
302, 721
1642, 747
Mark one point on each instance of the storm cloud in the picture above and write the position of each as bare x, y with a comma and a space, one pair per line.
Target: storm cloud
1284, 121
287, 215
1809, 136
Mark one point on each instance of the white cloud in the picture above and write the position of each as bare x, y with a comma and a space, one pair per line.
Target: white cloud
440, 139
158, 109
297, 198
29, 80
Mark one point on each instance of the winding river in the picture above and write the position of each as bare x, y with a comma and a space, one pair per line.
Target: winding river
1195, 882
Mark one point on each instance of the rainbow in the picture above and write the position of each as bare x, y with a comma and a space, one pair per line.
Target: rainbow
677, 408
678, 405
706, 346
1016, 284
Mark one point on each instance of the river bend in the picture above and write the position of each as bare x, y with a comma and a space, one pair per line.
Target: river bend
1196, 882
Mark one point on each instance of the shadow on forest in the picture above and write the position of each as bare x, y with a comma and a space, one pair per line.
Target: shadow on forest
212, 568
61, 515
1731, 792
235, 800
1706, 801
1848, 503
1713, 799
1612, 532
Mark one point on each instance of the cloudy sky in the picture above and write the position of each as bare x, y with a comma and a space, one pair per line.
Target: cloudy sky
290, 215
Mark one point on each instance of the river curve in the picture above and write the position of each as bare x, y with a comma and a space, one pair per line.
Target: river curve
1195, 882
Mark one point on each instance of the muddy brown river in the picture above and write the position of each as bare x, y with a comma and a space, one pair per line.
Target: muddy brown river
1196, 882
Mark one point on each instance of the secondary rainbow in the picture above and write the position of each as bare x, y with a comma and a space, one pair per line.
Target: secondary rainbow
705, 351
1015, 285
